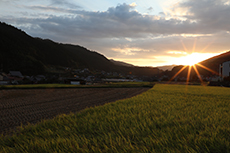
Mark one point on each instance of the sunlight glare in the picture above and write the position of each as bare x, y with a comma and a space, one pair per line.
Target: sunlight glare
177, 73
193, 58
210, 70
198, 74
188, 75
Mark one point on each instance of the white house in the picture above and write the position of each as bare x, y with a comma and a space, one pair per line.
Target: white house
224, 69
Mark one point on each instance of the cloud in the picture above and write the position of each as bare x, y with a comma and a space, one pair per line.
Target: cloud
64, 3
133, 4
123, 21
49, 8
123, 32
177, 52
150, 9
210, 14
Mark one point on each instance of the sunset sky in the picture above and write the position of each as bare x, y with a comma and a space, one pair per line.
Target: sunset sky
140, 32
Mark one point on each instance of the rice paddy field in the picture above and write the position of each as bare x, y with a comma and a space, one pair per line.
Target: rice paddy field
166, 118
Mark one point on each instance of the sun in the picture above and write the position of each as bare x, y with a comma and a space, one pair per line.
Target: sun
192, 59
191, 62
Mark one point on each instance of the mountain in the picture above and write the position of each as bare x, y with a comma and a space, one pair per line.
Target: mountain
120, 63
213, 63
19, 51
166, 67
208, 67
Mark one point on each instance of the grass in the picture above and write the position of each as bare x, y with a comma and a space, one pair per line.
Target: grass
106, 85
167, 118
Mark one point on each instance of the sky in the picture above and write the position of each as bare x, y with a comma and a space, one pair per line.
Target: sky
139, 32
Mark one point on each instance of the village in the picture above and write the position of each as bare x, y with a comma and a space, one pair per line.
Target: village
85, 76
76, 77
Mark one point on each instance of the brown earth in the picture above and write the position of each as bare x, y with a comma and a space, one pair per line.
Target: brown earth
33, 105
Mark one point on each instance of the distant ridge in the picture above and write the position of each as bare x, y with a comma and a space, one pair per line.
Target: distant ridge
121, 63
166, 67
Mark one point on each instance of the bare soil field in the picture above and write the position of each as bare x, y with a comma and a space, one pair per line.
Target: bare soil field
33, 105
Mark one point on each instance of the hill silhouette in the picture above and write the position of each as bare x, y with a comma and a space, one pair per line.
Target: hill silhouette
209, 67
19, 51
214, 62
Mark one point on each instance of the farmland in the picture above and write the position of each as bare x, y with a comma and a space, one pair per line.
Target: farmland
166, 118
61, 86
22, 106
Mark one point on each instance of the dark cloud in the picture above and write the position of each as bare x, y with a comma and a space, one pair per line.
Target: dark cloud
210, 14
161, 13
150, 9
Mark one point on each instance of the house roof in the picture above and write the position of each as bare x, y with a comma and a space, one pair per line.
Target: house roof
16, 73
226, 62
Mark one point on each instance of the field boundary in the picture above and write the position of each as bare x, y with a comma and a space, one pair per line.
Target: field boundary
66, 86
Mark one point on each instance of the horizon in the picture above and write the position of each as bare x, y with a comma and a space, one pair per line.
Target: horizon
142, 33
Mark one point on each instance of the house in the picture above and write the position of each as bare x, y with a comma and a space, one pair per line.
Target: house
224, 69
16, 74
215, 78
164, 78
74, 81
4, 79
40, 77
89, 78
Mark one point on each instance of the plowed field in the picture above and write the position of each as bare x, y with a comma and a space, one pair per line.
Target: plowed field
32, 105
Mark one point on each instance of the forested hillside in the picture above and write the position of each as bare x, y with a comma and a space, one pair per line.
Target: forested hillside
19, 51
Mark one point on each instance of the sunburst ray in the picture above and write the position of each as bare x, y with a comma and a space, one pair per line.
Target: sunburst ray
207, 69
198, 74
178, 73
188, 75
185, 48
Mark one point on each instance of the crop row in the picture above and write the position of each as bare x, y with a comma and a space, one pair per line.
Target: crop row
30, 106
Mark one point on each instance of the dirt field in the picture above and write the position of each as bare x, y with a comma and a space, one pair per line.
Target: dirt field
32, 105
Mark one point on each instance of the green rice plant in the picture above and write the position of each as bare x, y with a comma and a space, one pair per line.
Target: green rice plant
166, 118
